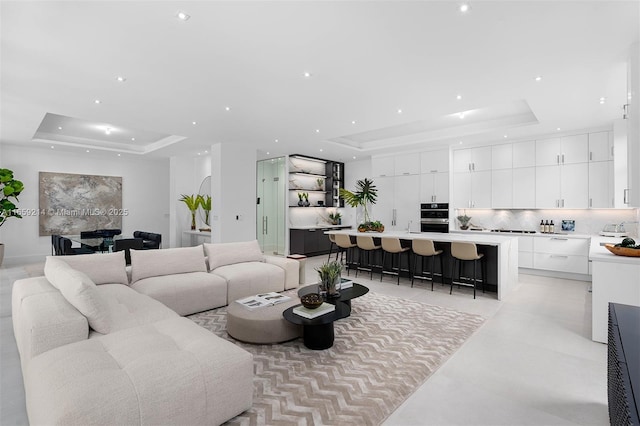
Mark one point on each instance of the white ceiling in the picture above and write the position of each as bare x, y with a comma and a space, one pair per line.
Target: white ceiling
367, 60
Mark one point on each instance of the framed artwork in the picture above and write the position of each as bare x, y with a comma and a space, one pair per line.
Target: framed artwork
71, 203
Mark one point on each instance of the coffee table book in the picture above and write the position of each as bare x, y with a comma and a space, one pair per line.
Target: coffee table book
345, 283
325, 308
263, 299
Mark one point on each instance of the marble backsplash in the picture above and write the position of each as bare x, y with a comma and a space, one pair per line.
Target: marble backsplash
590, 221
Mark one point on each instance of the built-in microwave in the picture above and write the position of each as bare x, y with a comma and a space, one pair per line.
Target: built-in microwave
434, 217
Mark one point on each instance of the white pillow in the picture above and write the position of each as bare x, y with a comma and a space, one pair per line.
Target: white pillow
102, 268
230, 253
154, 263
81, 292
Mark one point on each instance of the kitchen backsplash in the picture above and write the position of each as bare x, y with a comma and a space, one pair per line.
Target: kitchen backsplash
590, 221
310, 216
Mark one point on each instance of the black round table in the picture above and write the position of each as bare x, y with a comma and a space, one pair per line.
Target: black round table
345, 295
318, 332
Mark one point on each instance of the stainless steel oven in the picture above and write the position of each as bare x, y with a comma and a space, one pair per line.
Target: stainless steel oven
434, 217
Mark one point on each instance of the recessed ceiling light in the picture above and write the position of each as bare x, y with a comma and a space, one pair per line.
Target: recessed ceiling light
307, 74
121, 79
464, 8
602, 100
317, 130
198, 153
459, 97
107, 131
268, 152
119, 155
59, 128
133, 139
87, 151
227, 108
321, 149
461, 115
505, 136
277, 141
353, 121
182, 16
354, 157
194, 123
206, 152
52, 147
97, 101
399, 111
558, 128
539, 78
460, 142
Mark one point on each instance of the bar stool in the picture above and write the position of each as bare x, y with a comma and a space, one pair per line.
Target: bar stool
466, 252
393, 246
343, 241
422, 249
367, 245
332, 240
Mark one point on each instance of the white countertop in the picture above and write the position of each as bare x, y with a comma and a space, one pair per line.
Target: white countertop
522, 234
327, 226
482, 238
598, 253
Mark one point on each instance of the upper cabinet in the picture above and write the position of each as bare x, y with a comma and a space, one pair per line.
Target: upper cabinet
383, 166
524, 154
600, 146
434, 161
502, 156
406, 164
472, 159
565, 150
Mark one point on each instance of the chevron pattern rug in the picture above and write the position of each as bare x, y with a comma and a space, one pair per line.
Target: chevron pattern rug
382, 353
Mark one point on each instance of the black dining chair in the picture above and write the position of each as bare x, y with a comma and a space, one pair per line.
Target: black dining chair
150, 240
127, 244
109, 233
66, 249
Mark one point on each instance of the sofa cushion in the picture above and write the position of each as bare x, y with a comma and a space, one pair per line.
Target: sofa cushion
186, 293
128, 308
230, 253
102, 268
172, 372
81, 292
249, 278
155, 263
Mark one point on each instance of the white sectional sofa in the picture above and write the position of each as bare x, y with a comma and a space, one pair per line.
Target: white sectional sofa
100, 344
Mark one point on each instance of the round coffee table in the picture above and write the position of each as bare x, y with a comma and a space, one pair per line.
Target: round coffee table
345, 295
318, 332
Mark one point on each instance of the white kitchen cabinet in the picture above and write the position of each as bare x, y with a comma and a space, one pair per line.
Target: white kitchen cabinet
601, 184
525, 252
524, 154
461, 193
502, 189
434, 188
561, 263
562, 186
383, 166
472, 190
524, 188
566, 150
398, 202
434, 161
547, 187
472, 159
600, 146
501, 156
562, 254
383, 209
407, 164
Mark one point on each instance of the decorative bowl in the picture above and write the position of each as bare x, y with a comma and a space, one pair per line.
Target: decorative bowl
623, 251
311, 300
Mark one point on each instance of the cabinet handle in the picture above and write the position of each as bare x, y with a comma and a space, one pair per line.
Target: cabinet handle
473, 204
563, 202
381, 175
559, 239
434, 171
266, 225
559, 256
562, 158
557, 203
473, 167
557, 158
590, 156
626, 196
406, 173
590, 202
612, 151
469, 165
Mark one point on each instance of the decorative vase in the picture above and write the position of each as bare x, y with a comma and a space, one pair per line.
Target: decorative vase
193, 221
300, 203
464, 227
331, 287
306, 203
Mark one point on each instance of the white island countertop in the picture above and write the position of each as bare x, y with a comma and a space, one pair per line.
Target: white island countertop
507, 248
599, 253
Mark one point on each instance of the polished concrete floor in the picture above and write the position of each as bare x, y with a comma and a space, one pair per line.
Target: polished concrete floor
531, 363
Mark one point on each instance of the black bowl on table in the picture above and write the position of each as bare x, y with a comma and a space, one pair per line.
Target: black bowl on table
311, 300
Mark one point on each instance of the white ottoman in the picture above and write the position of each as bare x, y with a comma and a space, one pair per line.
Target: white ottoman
262, 325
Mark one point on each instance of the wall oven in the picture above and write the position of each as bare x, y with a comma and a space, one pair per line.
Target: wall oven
434, 217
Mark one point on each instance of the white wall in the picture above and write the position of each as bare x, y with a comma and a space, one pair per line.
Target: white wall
144, 193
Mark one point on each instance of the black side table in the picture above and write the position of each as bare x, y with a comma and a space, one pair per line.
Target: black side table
318, 332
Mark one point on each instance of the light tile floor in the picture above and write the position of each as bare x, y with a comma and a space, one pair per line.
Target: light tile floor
531, 363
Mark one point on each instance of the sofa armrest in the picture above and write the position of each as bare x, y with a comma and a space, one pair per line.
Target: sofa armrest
291, 270
43, 319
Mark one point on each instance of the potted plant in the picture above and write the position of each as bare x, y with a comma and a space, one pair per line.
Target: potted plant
329, 274
365, 194
306, 202
300, 199
10, 188
335, 218
320, 183
192, 203
205, 203
464, 221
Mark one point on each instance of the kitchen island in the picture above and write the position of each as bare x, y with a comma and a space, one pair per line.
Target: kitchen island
501, 251
614, 279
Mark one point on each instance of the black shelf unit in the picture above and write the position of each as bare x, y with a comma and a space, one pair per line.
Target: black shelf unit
333, 180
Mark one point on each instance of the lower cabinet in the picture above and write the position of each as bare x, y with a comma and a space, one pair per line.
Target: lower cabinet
310, 242
561, 254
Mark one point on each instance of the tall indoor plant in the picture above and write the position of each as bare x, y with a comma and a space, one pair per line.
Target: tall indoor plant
365, 194
192, 202
10, 188
205, 203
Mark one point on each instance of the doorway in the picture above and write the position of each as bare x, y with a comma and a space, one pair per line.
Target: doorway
271, 205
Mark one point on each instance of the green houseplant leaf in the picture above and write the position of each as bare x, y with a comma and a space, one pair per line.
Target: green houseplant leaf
10, 189
366, 193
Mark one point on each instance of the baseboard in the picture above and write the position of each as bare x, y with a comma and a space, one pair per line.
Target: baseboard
555, 274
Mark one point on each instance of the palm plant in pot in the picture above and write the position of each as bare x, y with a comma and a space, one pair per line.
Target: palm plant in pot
365, 194
330, 273
192, 202
205, 203
10, 188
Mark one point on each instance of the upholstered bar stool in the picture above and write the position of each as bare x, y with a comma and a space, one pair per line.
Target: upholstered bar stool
466, 252
425, 249
394, 247
343, 241
332, 240
366, 246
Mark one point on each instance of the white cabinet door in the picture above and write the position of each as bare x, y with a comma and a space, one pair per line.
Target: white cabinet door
407, 202
524, 154
481, 189
427, 187
383, 209
524, 188
407, 164
600, 184
481, 159
462, 160
383, 166
600, 147
574, 186
501, 156
547, 186
461, 194
434, 161
441, 187
502, 189
575, 149
548, 152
